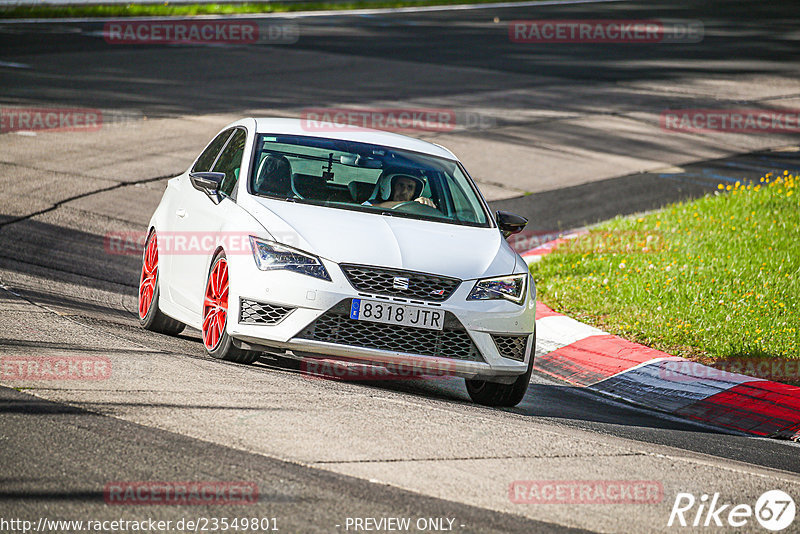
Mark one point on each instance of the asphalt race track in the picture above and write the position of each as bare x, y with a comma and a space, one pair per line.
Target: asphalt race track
566, 134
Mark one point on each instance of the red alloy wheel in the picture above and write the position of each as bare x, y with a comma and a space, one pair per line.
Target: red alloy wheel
147, 283
215, 305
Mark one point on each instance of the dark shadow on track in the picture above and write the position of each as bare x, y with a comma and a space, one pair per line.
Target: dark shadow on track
65, 479
573, 207
740, 38
580, 408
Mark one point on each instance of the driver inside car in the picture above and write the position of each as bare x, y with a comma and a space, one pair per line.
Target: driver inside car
391, 190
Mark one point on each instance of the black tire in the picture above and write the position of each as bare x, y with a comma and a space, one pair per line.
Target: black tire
225, 349
502, 395
155, 320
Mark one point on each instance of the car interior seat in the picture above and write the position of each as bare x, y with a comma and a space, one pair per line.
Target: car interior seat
274, 176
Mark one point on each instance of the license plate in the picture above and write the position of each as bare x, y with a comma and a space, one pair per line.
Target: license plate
376, 311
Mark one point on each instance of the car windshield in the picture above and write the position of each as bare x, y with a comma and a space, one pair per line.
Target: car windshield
364, 177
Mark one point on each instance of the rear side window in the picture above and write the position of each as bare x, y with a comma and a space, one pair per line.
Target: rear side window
230, 161
206, 159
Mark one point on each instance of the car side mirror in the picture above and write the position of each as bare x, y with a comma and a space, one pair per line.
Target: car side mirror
208, 183
510, 223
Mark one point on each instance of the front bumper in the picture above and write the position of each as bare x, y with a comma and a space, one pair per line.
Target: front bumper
301, 304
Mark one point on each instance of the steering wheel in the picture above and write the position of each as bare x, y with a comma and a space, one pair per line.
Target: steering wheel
412, 206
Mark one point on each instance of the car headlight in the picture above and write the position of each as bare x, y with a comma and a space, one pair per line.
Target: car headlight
271, 256
510, 287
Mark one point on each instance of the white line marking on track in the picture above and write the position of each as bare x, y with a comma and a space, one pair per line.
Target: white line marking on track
13, 65
558, 331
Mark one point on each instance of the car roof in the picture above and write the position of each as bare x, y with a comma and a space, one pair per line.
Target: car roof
327, 130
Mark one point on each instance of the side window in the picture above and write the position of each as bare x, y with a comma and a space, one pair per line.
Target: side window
206, 159
230, 161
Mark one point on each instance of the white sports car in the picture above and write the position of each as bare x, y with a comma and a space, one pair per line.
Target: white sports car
350, 244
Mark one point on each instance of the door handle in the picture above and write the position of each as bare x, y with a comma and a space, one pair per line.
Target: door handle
181, 213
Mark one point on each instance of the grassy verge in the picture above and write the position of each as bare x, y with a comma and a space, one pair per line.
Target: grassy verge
711, 279
167, 9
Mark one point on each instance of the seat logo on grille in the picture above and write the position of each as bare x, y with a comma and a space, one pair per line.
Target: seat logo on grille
400, 282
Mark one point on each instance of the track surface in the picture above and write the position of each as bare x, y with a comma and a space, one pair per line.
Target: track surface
575, 125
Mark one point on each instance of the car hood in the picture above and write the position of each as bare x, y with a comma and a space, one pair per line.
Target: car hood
346, 236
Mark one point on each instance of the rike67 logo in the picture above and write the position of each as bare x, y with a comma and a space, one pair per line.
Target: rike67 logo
774, 510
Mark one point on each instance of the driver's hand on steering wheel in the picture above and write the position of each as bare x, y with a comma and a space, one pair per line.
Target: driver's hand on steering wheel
426, 201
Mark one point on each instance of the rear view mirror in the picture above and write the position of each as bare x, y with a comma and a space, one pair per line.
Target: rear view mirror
510, 223
357, 160
208, 183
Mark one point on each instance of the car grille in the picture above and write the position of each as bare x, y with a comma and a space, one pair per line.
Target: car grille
512, 347
380, 281
335, 326
254, 312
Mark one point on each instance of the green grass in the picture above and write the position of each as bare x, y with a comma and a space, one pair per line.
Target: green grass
167, 9
710, 279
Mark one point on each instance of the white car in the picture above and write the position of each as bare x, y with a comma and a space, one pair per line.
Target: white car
341, 243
